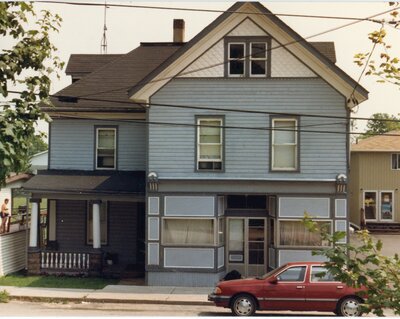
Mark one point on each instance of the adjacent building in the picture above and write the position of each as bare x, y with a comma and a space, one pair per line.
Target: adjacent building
191, 159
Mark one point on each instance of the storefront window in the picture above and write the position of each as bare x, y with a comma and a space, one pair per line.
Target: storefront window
294, 233
196, 232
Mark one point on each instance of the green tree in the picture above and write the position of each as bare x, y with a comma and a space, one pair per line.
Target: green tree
37, 145
376, 126
362, 264
27, 64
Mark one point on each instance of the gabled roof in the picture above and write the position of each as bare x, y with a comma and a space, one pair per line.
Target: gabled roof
381, 143
107, 86
312, 57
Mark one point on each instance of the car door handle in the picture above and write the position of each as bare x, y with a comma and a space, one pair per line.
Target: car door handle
339, 287
300, 287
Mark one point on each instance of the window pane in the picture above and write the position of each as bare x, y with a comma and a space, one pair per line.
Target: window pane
287, 135
320, 274
236, 235
256, 241
210, 134
210, 152
106, 139
294, 233
236, 51
221, 231
188, 231
395, 161
370, 205
258, 67
236, 67
293, 274
284, 156
258, 50
386, 206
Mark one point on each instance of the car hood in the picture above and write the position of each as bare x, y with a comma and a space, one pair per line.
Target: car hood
240, 282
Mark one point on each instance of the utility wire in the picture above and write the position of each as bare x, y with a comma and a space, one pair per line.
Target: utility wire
92, 4
146, 105
247, 56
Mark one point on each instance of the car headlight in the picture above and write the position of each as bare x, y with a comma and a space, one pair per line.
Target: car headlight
217, 291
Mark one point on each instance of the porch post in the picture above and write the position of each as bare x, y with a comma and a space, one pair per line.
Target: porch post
33, 234
96, 225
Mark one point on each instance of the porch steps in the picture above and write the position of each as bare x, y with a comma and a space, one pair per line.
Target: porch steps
386, 228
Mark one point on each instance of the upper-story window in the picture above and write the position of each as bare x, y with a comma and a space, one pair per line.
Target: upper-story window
284, 145
209, 144
396, 161
247, 57
106, 149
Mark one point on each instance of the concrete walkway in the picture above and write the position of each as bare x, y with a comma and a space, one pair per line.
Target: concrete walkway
115, 294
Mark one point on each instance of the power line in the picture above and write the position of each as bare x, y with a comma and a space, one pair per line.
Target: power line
91, 4
225, 62
144, 105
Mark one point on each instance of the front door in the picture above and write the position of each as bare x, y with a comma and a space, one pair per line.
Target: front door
246, 244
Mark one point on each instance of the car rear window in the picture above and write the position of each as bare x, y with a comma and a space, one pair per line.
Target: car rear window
321, 274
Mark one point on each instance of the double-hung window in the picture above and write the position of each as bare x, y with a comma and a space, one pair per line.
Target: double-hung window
396, 161
106, 149
247, 57
284, 148
209, 144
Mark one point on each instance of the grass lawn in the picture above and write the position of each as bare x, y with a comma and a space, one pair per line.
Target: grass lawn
20, 280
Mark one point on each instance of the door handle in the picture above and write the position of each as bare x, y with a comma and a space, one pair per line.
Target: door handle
339, 287
300, 287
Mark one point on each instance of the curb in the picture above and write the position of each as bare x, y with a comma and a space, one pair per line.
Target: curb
110, 300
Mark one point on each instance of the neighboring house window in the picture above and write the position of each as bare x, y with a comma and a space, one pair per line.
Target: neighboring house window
103, 224
379, 208
188, 231
209, 144
284, 148
106, 154
395, 161
247, 57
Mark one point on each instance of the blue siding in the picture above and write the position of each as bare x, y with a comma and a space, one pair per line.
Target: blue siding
72, 144
172, 148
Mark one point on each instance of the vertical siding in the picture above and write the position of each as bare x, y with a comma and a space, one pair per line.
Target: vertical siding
13, 251
172, 148
73, 141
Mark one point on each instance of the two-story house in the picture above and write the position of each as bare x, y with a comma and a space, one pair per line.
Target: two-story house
375, 182
210, 150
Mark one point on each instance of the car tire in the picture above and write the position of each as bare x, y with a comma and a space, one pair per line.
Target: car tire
349, 307
243, 305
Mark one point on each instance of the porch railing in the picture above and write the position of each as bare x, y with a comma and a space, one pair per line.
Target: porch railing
64, 260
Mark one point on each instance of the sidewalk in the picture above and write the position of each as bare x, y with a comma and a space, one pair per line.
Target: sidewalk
115, 294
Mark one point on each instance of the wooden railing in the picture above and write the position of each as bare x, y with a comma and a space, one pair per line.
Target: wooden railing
64, 260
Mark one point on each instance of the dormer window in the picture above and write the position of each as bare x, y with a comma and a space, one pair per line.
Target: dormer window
247, 56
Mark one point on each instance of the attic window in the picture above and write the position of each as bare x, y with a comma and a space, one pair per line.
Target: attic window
247, 56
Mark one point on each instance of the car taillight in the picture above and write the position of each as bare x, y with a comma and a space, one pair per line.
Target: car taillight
217, 291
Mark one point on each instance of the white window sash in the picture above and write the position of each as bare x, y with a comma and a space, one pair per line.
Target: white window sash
98, 130
199, 144
273, 164
236, 59
258, 59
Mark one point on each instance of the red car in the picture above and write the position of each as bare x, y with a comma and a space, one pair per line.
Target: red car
300, 286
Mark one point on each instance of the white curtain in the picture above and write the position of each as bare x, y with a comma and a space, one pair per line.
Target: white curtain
189, 231
294, 233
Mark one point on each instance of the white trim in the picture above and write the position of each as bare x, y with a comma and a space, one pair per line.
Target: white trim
250, 179
336, 206
306, 198
97, 147
295, 144
149, 206
157, 222
259, 59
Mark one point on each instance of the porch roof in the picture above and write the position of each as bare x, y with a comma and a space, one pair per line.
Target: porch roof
87, 182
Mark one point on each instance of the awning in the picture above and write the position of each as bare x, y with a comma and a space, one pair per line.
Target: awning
88, 182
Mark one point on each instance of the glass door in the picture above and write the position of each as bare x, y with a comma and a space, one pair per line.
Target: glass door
386, 206
246, 246
370, 205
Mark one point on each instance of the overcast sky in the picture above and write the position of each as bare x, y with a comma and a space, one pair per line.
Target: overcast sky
82, 29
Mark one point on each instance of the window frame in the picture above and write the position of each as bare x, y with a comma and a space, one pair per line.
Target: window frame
290, 267
278, 233
295, 169
96, 158
251, 58
397, 161
229, 59
247, 40
221, 119
215, 224
104, 207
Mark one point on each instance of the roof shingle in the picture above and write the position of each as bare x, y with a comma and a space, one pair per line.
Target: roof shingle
381, 143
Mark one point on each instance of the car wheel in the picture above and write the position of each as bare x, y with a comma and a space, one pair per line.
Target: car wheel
243, 305
349, 307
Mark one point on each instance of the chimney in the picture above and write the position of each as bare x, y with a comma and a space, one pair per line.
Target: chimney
179, 30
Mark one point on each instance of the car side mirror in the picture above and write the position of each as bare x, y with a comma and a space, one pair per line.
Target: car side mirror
273, 280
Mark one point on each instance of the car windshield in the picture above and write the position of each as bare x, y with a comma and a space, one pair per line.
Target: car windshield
269, 274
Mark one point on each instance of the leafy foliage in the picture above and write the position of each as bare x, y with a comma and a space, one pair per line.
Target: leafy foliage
4, 296
362, 265
387, 67
28, 65
376, 127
